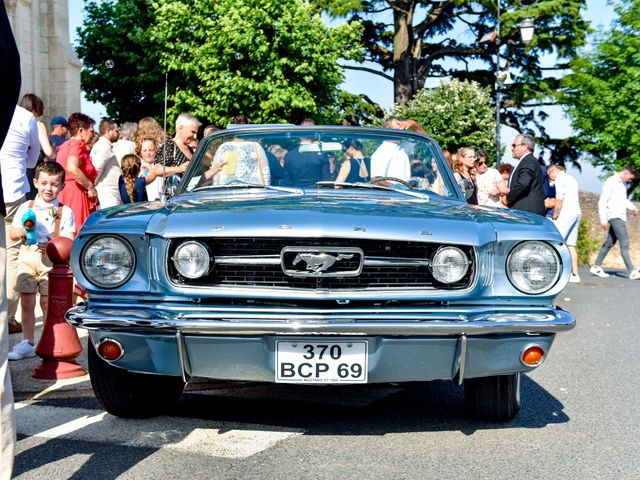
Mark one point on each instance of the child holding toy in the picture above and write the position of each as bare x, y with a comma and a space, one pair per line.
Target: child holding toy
35, 223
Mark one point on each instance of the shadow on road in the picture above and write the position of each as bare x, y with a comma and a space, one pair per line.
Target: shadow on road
310, 410
362, 410
97, 460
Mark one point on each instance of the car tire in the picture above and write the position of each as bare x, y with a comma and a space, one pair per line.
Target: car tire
492, 398
128, 394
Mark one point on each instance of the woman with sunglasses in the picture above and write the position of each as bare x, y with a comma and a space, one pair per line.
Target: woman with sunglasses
491, 185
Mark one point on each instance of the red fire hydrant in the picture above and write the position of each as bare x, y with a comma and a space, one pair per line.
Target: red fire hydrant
59, 345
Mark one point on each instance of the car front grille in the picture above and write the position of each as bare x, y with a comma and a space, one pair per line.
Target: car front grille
385, 264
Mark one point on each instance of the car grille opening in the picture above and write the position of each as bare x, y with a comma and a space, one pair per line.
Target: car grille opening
256, 262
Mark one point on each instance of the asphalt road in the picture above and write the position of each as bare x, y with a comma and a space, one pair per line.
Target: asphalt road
577, 422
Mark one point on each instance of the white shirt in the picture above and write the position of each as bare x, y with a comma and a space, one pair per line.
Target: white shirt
19, 151
123, 147
45, 219
487, 182
389, 160
613, 201
153, 188
567, 191
106, 164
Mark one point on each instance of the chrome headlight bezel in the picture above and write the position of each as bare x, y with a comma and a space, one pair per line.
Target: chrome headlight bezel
548, 259
449, 250
101, 246
205, 253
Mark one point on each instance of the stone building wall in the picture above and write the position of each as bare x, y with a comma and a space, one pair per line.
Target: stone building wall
589, 206
49, 66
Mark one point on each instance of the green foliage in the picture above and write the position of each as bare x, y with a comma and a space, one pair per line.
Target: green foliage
603, 93
272, 61
134, 86
456, 114
587, 245
414, 41
357, 110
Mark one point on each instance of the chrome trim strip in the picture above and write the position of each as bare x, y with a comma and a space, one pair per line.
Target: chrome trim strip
220, 322
461, 359
396, 262
388, 262
185, 367
249, 260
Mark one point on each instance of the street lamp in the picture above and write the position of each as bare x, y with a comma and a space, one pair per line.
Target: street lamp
527, 28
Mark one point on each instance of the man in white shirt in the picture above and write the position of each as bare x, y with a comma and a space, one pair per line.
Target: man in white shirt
389, 160
612, 209
106, 164
19, 151
566, 212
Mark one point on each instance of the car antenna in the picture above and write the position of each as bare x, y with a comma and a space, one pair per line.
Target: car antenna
164, 140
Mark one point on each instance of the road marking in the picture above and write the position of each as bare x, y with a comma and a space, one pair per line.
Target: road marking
205, 437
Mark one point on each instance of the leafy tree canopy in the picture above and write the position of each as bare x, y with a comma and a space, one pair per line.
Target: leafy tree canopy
120, 65
272, 61
456, 114
417, 40
603, 93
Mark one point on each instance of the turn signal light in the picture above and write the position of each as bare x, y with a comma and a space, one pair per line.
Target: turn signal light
110, 350
533, 356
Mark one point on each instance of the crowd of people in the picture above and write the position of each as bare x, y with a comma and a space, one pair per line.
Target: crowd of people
65, 176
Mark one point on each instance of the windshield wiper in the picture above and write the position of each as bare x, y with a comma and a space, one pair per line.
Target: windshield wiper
372, 186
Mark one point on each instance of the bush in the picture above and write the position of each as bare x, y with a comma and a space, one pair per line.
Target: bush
456, 114
587, 246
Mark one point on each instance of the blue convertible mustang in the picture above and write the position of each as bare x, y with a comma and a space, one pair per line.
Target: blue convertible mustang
244, 272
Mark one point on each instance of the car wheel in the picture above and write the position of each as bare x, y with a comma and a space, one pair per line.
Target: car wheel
128, 394
492, 398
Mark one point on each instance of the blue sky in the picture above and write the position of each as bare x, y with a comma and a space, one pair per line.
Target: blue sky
598, 12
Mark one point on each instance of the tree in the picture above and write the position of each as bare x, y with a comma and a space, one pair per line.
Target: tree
273, 61
456, 114
603, 93
417, 40
120, 65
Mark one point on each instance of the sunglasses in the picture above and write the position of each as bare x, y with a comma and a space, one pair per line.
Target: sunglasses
514, 145
481, 163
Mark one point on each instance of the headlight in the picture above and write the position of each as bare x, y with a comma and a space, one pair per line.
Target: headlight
449, 265
108, 261
533, 267
192, 259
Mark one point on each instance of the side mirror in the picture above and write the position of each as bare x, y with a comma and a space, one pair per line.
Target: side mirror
170, 186
467, 187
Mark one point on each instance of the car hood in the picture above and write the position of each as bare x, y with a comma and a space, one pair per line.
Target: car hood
388, 216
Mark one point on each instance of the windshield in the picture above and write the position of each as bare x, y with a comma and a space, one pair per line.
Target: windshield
319, 157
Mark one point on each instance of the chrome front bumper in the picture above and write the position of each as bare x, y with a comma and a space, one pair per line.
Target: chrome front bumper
395, 321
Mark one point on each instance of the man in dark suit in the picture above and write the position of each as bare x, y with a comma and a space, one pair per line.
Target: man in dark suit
526, 184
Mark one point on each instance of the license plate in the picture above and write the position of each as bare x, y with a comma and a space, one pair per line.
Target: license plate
321, 362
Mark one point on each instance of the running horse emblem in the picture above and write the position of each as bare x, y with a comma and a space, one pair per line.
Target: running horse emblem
320, 262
